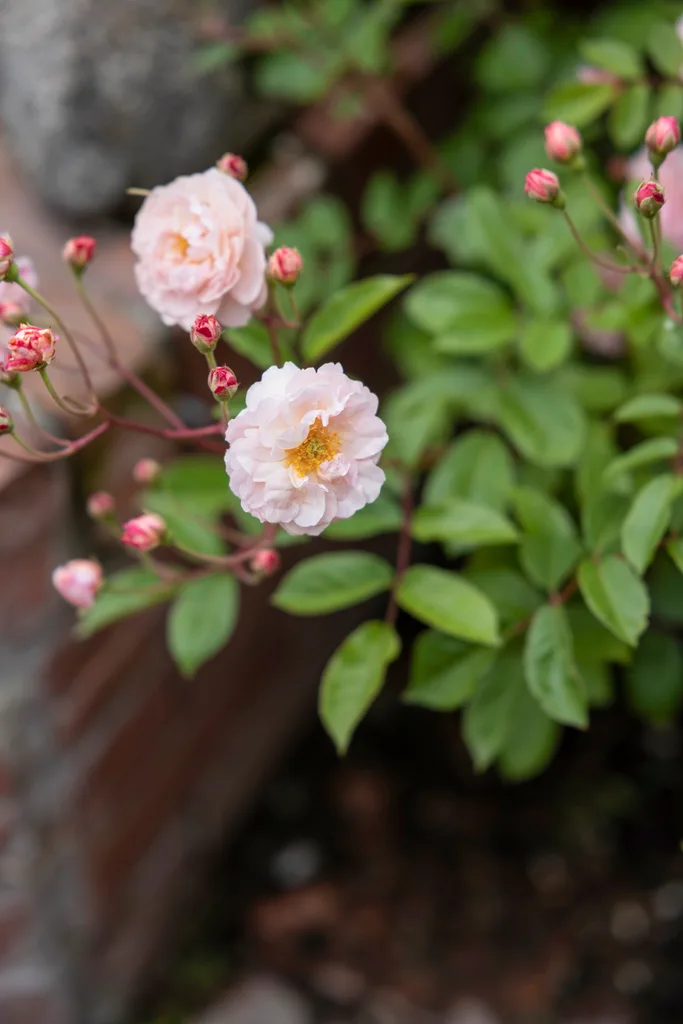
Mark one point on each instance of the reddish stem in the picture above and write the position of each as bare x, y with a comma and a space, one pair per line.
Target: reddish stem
403, 551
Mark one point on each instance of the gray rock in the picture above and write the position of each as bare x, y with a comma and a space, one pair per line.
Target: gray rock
259, 1000
97, 96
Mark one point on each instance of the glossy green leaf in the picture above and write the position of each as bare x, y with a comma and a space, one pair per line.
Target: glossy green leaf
550, 670
346, 310
629, 117
615, 596
381, 516
545, 344
511, 594
657, 449
124, 593
189, 530
579, 103
543, 421
445, 672
647, 407
438, 301
602, 519
665, 49
675, 551
549, 547
465, 522
593, 642
337, 579
487, 718
618, 58
201, 620
647, 520
252, 342
655, 679
448, 603
353, 678
530, 741
477, 466
198, 481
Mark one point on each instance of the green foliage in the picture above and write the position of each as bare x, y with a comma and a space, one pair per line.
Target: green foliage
201, 620
326, 583
447, 602
346, 310
124, 593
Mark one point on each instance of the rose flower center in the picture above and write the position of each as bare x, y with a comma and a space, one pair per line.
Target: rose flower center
321, 445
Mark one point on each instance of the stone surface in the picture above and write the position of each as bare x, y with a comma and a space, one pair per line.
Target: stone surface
117, 101
260, 1000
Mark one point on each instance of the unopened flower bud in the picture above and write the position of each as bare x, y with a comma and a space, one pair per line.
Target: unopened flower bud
676, 272
562, 142
10, 378
205, 332
6, 255
146, 471
285, 265
265, 561
649, 198
11, 313
100, 505
145, 532
78, 581
30, 348
223, 383
234, 165
79, 251
6, 423
544, 187
662, 136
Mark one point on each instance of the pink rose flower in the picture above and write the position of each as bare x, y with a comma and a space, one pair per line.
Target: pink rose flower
78, 581
30, 348
200, 249
670, 177
304, 451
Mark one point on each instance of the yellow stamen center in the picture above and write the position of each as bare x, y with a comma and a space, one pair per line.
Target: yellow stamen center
180, 245
321, 445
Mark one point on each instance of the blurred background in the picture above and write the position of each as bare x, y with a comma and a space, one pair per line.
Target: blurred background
177, 852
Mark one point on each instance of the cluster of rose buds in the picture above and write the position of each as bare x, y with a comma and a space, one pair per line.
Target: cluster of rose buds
30, 348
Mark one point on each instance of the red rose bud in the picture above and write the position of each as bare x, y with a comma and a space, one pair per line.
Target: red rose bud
30, 348
544, 187
205, 332
6, 255
78, 581
146, 471
285, 265
223, 383
266, 561
144, 533
676, 272
100, 505
233, 165
662, 136
562, 142
79, 251
6, 423
649, 198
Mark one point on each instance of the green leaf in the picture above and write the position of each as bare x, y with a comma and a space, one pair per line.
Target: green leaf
616, 57
655, 679
286, 76
646, 407
337, 579
438, 302
346, 310
543, 421
545, 344
477, 466
647, 520
657, 449
669, 101
602, 519
381, 516
189, 530
252, 342
511, 594
445, 672
615, 596
487, 718
578, 103
531, 739
123, 594
513, 59
463, 521
417, 418
665, 49
202, 620
448, 603
549, 667
592, 641
214, 57
675, 552
198, 481
353, 677
384, 214
629, 116
599, 682
550, 547
666, 591
482, 330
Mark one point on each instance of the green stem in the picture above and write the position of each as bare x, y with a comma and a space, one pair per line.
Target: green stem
598, 260
28, 412
610, 214
51, 390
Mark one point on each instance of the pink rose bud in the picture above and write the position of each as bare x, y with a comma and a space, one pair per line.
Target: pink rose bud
676, 272
544, 187
145, 532
100, 505
11, 313
205, 332
30, 348
285, 265
78, 581
649, 198
6, 424
6, 255
562, 142
223, 383
234, 165
662, 136
146, 471
79, 251
266, 561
